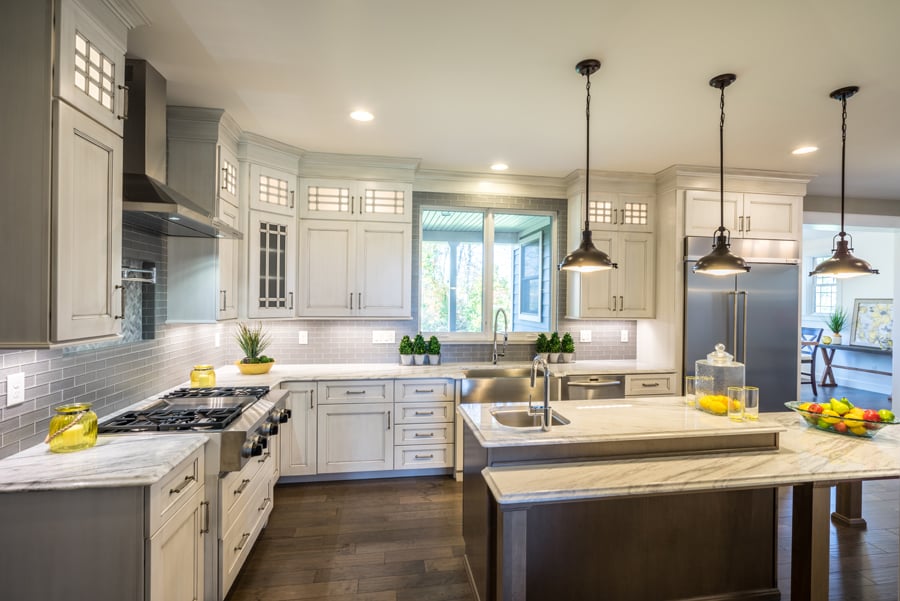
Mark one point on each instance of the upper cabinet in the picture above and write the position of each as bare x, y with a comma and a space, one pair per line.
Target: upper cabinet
355, 200
746, 215
272, 190
622, 217
202, 165
272, 240
61, 167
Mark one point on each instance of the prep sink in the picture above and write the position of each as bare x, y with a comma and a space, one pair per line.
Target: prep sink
520, 418
504, 385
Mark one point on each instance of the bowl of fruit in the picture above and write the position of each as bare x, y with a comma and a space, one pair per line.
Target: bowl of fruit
842, 417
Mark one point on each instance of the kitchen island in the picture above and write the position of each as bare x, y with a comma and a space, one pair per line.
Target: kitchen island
662, 525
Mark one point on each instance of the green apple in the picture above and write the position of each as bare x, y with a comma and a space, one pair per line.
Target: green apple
886, 415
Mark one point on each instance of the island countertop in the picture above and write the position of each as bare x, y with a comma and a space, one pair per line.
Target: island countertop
608, 420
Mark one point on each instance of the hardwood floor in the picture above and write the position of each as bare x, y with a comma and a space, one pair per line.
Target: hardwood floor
400, 540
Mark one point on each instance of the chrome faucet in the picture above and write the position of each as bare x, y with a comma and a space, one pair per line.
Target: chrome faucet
497, 315
545, 412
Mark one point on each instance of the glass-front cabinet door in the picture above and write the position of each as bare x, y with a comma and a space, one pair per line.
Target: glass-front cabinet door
271, 265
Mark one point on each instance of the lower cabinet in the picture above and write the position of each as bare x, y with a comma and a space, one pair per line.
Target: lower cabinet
298, 436
355, 437
425, 412
175, 554
656, 384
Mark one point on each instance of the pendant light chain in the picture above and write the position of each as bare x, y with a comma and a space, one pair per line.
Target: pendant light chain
843, 156
587, 153
722, 160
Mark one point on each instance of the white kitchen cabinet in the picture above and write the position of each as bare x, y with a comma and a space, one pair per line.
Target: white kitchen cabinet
619, 211
352, 269
652, 384
202, 165
355, 200
626, 292
272, 190
91, 61
746, 215
175, 554
272, 240
425, 410
298, 435
62, 175
355, 437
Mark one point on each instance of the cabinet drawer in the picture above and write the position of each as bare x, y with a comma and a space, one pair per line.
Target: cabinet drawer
174, 490
423, 390
419, 413
406, 434
650, 384
365, 391
239, 539
235, 488
420, 457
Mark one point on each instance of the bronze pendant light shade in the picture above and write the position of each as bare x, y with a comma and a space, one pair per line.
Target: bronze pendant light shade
842, 263
721, 261
587, 257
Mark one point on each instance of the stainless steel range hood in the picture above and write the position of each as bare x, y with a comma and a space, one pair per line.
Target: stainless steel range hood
148, 203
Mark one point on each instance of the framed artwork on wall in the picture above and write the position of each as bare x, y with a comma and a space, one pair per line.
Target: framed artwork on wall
873, 322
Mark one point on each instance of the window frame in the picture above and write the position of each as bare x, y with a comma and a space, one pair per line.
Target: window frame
815, 284
487, 318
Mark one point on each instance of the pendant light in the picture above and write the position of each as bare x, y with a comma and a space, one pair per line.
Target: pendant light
721, 261
842, 263
587, 257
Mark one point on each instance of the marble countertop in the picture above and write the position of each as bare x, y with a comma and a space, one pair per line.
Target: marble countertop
806, 455
115, 461
631, 418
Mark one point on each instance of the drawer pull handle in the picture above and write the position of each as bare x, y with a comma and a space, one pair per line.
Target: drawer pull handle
594, 384
389, 420
187, 480
423, 391
265, 457
243, 485
265, 504
355, 392
205, 506
650, 385
424, 412
424, 434
429, 456
243, 542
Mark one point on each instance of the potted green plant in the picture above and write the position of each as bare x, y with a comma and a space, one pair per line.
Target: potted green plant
253, 340
542, 346
406, 351
567, 348
836, 322
419, 349
555, 347
433, 348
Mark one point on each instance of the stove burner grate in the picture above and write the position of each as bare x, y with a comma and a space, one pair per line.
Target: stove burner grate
167, 420
218, 391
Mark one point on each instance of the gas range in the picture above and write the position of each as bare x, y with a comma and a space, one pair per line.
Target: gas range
239, 420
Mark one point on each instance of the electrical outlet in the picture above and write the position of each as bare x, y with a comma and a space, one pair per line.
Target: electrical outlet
15, 389
585, 336
218, 339
383, 336
623, 335
302, 337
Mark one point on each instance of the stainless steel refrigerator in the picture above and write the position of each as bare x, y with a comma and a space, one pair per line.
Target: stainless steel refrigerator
755, 314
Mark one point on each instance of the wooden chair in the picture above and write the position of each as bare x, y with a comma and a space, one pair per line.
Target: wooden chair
809, 344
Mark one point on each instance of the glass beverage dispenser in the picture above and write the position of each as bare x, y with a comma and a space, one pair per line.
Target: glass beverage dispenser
715, 374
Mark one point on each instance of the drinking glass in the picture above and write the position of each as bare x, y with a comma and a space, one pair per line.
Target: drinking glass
736, 403
690, 390
751, 402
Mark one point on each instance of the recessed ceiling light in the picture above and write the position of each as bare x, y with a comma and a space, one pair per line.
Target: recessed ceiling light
805, 150
362, 116
499, 166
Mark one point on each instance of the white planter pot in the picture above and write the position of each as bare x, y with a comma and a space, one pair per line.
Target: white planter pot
567, 357
406, 359
837, 339
554, 357
434, 359
419, 359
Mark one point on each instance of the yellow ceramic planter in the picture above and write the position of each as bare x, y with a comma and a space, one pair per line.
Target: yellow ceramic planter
254, 369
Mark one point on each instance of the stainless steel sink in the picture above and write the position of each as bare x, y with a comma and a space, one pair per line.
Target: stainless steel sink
520, 418
504, 385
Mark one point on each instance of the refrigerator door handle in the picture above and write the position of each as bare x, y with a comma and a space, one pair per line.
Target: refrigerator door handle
734, 322
744, 320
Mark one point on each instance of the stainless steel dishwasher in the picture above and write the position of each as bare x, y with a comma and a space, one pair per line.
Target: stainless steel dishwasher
590, 387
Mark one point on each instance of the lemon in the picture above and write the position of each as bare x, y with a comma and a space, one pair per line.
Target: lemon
859, 430
826, 339
830, 416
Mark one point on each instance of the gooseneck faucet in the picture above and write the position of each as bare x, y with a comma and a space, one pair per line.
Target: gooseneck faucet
497, 315
545, 412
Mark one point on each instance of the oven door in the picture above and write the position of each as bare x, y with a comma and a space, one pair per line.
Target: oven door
587, 388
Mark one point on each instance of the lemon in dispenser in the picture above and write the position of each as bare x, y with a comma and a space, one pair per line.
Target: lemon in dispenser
718, 371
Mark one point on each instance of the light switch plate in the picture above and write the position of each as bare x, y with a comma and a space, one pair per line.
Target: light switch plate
15, 389
383, 336
302, 337
218, 339
623, 335
585, 336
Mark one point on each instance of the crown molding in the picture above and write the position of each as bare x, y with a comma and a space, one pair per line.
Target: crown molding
698, 177
358, 166
611, 181
460, 182
128, 12
271, 153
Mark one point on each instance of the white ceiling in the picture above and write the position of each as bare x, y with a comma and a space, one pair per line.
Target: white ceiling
461, 84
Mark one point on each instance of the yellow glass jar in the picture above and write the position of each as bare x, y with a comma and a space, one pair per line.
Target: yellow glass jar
203, 376
74, 427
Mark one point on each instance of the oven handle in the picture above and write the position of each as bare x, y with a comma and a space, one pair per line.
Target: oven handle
586, 384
